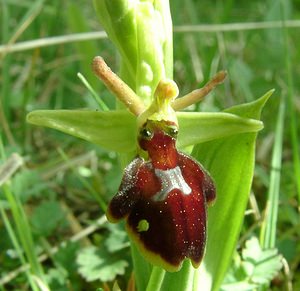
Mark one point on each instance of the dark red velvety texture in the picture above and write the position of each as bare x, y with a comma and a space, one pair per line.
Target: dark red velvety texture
177, 222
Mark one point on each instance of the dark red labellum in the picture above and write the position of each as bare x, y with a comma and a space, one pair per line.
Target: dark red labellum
164, 200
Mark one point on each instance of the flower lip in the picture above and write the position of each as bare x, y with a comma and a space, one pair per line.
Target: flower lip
158, 139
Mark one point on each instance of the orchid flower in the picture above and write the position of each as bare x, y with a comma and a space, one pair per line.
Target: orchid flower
164, 193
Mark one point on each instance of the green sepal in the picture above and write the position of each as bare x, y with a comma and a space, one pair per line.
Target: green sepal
230, 162
198, 127
112, 130
117, 130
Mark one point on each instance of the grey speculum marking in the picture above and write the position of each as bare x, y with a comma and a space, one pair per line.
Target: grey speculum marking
170, 179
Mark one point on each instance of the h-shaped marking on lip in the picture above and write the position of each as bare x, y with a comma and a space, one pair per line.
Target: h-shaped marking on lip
170, 179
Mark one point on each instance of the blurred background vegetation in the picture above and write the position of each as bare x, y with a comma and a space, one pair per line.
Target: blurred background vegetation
52, 203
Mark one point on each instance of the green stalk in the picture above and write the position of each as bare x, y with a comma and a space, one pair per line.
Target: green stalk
268, 230
139, 263
156, 279
182, 280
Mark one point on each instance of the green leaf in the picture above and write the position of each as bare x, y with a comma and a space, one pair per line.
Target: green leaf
65, 256
238, 286
256, 267
117, 238
27, 184
46, 217
230, 162
261, 266
56, 277
98, 264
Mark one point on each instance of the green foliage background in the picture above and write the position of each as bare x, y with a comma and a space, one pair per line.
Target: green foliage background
64, 180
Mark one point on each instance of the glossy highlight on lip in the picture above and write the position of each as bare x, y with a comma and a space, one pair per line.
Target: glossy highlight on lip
164, 198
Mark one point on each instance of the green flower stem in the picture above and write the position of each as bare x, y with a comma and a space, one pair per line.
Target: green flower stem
139, 263
142, 32
156, 279
182, 280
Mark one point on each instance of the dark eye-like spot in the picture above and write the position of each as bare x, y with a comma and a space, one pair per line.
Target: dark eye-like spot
146, 133
173, 131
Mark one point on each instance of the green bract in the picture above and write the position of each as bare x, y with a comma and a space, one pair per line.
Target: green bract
230, 161
140, 30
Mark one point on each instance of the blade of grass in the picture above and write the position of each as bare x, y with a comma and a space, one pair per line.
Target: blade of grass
238, 26
6, 82
290, 102
24, 232
87, 50
268, 230
50, 41
32, 12
87, 36
100, 222
99, 101
13, 163
191, 41
17, 247
22, 228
